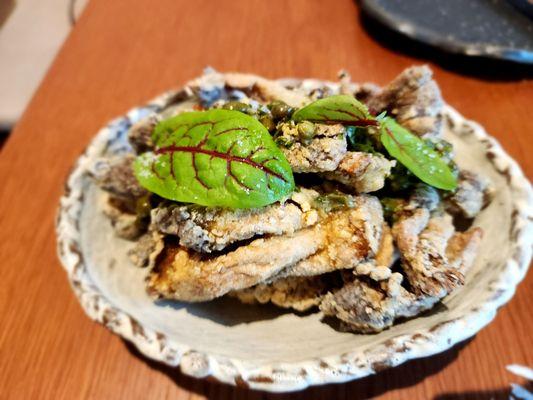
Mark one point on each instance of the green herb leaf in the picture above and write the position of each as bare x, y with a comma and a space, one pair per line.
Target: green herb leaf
416, 155
359, 140
343, 109
215, 158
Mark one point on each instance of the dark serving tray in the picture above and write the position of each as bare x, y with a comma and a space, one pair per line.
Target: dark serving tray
492, 28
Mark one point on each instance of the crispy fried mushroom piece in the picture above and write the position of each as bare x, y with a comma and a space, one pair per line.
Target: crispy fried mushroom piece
122, 191
343, 240
350, 237
146, 250
115, 175
367, 307
323, 152
434, 257
471, 195
414, 99
326, 153
363, 172
125, 222
213, 84
385, 255
207, 229
298, 293
140, 134
189, 276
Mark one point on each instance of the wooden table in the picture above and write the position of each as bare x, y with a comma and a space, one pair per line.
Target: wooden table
122, 53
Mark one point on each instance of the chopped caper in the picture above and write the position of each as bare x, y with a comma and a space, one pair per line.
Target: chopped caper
306, 131
267, 122
280, 110
283, 141
236, 106
334, 201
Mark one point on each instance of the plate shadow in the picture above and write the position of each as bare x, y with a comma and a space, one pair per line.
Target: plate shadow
228, 311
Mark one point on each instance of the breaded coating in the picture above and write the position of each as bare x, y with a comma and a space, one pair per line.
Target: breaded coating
413, 98
140, 134
323, 152
368, 307
350, 237
346, 238
326, 153
300, 293
434, 257
125, 223
207, 229
471, 195
363, 172
146, 250
189, 276
213, 86
115, 175
385, 255
371, 305
122, 191
462, 249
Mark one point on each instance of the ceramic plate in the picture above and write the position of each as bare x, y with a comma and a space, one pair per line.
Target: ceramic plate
262, 347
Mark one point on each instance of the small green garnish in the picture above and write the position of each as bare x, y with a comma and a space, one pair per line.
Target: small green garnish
280, 110
267, 122
236, 106
215, 158
334, 201
306, 131
284, 142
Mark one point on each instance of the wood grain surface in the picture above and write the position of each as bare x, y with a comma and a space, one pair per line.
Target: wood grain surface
120, 54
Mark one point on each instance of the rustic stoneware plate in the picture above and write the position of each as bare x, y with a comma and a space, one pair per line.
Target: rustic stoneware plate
262, 347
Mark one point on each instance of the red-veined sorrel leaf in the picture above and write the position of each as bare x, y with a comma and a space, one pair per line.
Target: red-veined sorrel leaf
416, 156
343, 109
215, 158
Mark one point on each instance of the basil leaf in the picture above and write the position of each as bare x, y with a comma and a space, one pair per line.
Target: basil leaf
215, 158
343, 109
416, 155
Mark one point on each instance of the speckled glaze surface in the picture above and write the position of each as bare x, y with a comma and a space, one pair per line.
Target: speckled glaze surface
498, 29
270, 349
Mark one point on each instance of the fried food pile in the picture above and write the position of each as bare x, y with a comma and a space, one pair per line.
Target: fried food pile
360, 239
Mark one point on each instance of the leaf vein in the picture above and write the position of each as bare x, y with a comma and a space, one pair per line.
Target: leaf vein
224, 156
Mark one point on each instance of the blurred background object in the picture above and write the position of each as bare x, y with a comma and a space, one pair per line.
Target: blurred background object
6, 7
31, 33
501, 29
